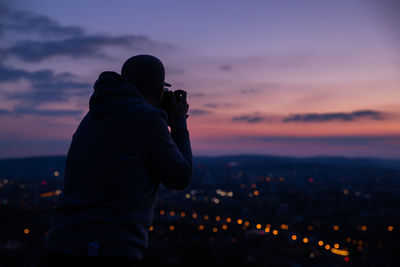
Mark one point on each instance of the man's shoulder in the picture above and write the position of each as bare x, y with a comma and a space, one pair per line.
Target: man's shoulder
145, 111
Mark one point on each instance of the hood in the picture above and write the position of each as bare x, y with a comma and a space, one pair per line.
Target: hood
112, 92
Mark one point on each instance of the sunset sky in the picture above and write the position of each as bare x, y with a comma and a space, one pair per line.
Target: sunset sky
293, 78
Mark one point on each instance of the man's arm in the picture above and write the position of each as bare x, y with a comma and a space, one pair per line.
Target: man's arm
170, 154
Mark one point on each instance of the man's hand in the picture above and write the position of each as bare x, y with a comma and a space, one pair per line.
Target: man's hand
180, 107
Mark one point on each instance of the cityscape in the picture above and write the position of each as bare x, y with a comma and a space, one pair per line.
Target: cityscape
246, 210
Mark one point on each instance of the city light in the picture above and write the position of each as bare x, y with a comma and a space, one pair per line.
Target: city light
56, 173
258, 226
340, 252
336, 227
162, 212
26, 231
224, 227
194, 215
228, 220
390, 228
201, 227
336, 246
183, 214
267, 229
215, 229
171, 228
305, 240
321, 243
239, 221
151, 228
364, 228
327, 247
218, 218
275, 232
294, 237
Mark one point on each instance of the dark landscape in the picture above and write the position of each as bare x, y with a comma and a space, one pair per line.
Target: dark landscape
247, 210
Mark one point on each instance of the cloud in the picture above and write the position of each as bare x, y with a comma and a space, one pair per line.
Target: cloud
197, 95
46, 85
221, 105
226, 67
58, 40
198, 112
27, 110
358, 140
339, 116
255, 118
28, 22
4, 111
250, 91
76, 47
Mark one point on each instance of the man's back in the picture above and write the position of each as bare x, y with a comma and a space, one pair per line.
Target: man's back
119, 154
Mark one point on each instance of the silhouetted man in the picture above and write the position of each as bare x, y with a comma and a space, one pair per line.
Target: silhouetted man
118, 156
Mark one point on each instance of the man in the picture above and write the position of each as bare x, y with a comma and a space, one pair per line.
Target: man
120, 153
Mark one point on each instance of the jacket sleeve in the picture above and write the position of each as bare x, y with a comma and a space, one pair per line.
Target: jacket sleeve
170, 154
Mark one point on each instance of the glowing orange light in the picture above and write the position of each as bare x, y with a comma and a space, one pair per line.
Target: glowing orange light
183, 214
390, 228
228, 220
239, 221
224, 227
364, 228
327, 247
305, 240
267, 230
206, 217
294, 237
172, 213
162, 212
246, 223
275, 232
215, 229
321, 243
336, 227
151, 228
217, 218
256, 192
26, 231
258, 226
194, 215
336, 246
339, 252
171, 228
201, 227
56, 173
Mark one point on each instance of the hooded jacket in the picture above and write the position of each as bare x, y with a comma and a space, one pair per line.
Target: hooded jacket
120, 153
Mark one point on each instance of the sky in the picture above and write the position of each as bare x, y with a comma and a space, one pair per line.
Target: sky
289, 78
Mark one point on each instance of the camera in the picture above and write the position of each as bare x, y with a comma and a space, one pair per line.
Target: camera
167, 99
166, 102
